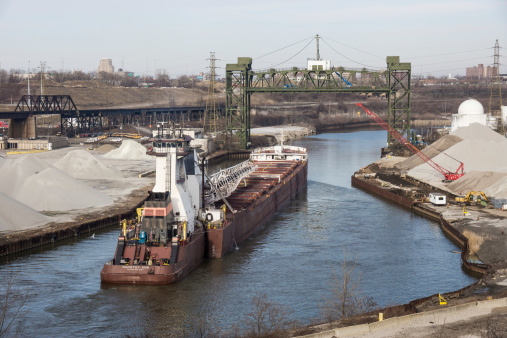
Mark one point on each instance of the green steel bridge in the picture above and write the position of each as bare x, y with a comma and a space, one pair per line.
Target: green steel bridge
242, 82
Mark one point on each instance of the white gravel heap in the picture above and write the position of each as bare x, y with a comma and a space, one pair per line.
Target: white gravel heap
17, 216
54, 190
129, 150
41, 186
82, 164
484, 154
15, 172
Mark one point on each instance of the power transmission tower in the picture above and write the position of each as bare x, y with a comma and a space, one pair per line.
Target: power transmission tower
495, 97
210, 115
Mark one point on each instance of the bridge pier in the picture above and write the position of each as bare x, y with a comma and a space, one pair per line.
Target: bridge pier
23, 128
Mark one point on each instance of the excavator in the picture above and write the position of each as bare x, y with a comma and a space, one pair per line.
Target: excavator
473, 198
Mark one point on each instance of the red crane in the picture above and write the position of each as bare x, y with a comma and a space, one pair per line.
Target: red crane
449, 175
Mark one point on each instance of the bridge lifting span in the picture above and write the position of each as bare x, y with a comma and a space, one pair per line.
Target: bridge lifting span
242, 82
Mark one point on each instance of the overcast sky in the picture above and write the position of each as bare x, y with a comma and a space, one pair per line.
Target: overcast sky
437, 36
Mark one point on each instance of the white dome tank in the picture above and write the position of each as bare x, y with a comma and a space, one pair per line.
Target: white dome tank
470, 106
469, 111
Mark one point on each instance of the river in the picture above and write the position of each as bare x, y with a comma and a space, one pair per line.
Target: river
399, 256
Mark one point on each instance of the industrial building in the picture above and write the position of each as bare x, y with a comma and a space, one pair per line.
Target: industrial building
480, 72
106, 65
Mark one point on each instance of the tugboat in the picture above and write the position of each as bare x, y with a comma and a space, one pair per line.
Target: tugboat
168, 241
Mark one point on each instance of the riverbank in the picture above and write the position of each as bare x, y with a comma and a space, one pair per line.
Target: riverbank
126, 189
488, 262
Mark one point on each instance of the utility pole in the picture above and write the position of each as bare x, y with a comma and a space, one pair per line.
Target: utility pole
42, 77
496, 90
210, 115
317, 39
29, 83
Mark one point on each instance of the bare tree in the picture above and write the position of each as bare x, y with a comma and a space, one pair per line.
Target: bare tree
268, 319
12, 300
346, 299
204, 325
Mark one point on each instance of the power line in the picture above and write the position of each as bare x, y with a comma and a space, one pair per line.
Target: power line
294, 54
452, 61
429, 56
362, 51
295, 43
359, 63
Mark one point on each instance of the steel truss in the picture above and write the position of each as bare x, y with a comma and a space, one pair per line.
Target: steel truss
224, 182
45, 104
242, 81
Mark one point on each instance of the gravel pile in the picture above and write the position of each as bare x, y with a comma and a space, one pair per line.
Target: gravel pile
17, 216
105, 148
442, 144
129, 150
40, 186
484, 154
54, 190
15, 172
82, 164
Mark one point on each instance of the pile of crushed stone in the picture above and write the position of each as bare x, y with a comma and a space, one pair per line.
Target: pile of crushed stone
129, 150
105, 148
54, 190
42, 187
82, 164
484, 155
17, 216
442, 144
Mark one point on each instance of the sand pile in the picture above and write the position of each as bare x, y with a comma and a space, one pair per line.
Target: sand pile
54, 190
129, 150
105, 148
484, 154
41, 186
431, 151
82, 164
17, 216
491, 183
15, 172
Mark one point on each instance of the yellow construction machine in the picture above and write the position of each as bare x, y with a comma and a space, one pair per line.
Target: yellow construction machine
474, 198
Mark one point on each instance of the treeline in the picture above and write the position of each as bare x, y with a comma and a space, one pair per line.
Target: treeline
120, 79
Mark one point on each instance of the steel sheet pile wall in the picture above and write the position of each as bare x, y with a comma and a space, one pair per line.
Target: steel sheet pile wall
66, 231
448, 229
363, 184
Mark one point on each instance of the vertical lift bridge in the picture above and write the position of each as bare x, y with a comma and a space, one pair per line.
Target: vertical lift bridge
242, 82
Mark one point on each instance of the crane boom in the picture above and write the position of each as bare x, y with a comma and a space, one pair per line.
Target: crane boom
449, 175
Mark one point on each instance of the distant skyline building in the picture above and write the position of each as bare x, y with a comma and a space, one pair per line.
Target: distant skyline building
106, 65
480, 72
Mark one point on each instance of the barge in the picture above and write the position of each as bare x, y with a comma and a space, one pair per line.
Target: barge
280, 173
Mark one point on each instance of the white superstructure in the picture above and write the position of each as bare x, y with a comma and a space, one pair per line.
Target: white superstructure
177, 172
